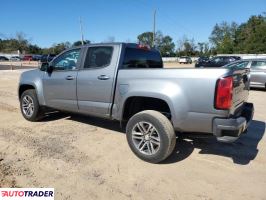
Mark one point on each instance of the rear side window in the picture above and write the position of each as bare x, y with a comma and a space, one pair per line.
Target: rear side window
141, 58
98, 57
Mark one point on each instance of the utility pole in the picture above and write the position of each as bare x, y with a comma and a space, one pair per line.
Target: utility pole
154, 24
81, 31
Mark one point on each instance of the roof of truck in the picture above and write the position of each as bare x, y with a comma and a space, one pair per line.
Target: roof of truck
132, 45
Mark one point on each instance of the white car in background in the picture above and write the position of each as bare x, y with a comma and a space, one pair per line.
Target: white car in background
185, 60
15, 58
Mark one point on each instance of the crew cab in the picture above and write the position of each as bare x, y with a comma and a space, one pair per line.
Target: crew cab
127, 83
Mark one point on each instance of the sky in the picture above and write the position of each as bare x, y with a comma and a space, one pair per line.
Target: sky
53, 21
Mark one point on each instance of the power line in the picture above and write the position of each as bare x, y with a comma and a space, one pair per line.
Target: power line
81, 31
154, 28
171, 22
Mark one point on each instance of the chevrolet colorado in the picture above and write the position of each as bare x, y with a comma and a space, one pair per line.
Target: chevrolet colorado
127, 82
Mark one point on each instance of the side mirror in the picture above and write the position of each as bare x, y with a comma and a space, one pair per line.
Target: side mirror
50, 68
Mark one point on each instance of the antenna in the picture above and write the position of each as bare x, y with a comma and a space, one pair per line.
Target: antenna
81, 31
154, 23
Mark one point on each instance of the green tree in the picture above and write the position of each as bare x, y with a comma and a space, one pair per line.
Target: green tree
1, 45
146, 38
11, 45
248, 37
251, 36
163, 43
79, 43
22, 42
58, 48
186, 47
223, 37
34, 49
201, 48
19, 42
166, 46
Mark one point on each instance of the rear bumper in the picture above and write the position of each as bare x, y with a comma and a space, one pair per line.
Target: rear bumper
229, 129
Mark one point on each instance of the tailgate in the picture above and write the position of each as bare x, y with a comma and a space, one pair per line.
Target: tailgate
240, 90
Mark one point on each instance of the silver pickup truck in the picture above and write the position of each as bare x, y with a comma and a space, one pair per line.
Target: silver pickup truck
127, 82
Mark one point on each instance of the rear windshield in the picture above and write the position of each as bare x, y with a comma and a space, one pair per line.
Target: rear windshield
141, 58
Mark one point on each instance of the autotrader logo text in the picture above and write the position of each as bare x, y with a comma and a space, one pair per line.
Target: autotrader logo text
27, 193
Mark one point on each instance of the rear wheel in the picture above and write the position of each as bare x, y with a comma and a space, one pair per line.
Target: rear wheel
29, 105
151, 136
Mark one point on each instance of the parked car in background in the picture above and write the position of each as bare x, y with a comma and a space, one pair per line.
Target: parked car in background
217, 61
257, 71
203, 59
27, 58
47, 57
185, 60
36, 57
3, 58
15, 58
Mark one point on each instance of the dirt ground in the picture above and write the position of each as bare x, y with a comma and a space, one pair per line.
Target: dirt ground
177, 65
88, 158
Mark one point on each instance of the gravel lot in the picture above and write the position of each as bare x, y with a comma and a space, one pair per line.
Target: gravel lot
88, 158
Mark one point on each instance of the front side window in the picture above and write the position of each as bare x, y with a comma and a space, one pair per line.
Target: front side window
98, 57
67, 61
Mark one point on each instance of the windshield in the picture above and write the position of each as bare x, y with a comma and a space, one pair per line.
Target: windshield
237, 65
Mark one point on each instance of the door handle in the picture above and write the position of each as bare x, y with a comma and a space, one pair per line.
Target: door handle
69, 78
103, 77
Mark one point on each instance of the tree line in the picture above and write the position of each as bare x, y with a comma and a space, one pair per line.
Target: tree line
248, 37
22, 44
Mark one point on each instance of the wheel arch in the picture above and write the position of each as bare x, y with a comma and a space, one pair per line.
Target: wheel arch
24, 87
134, 104
27, 86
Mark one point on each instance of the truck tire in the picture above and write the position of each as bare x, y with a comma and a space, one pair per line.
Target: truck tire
29, 106
151, 136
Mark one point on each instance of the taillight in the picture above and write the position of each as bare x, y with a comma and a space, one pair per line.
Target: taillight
224, 93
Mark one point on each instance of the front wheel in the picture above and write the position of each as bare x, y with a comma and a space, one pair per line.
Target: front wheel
29, 105
151, 136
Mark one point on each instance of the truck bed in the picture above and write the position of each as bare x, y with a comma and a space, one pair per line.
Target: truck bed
192, 93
